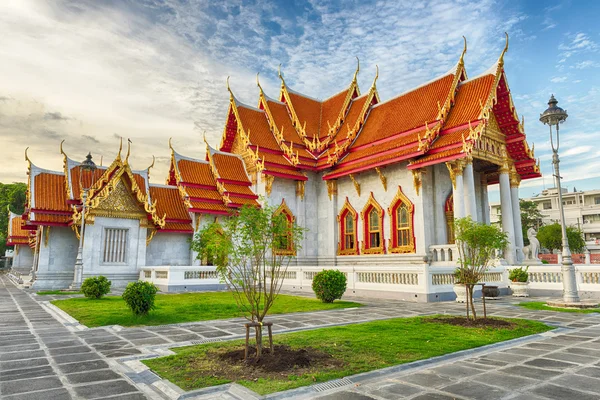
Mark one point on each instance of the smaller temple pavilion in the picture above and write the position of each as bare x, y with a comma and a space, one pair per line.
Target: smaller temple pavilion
129, 223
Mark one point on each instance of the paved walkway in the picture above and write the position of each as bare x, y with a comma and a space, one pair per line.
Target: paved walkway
43, 356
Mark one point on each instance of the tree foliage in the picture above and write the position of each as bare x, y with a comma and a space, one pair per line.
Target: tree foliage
244, 247
11, 195
550, 237
477, 245
329, 285
531, 217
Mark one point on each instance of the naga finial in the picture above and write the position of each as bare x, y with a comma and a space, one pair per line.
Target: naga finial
229, 89
101, 158
61, 148
376, 75
128, 150
120, 148
505, 48
258, 82
462, 56
151, 165
357, 69
26, 156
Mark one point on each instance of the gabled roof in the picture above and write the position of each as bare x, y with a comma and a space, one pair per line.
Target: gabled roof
170, 204
16, 234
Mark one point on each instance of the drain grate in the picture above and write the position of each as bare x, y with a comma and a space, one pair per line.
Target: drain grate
338, 383
203, 341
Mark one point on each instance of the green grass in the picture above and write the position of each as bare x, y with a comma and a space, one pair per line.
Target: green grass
178, 308
540, 305
56, 293
361, 347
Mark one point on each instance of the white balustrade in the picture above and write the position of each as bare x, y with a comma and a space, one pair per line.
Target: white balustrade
182, 278
443, 254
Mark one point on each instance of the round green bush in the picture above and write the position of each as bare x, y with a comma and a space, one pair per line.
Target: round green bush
329, 285
139, 296
95, 287
518, 275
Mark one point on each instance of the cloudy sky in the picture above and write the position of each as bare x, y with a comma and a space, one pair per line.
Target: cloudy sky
91, 71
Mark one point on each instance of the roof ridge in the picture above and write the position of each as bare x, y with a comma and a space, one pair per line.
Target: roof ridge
303, 95
437, 78
182, 157
162, 186
239, 104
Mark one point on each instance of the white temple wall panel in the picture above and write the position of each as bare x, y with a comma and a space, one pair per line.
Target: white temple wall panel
478, 197
56, 259
127, 254
327, 230
169, 249
22, 259
442, 189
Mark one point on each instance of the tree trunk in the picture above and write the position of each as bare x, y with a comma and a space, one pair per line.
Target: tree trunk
467, 299
258, 329
470, 300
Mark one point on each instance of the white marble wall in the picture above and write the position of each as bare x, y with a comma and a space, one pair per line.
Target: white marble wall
121, 273
56, 260
22, 259
169, 249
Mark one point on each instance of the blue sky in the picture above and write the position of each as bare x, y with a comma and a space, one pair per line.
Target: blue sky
90, 72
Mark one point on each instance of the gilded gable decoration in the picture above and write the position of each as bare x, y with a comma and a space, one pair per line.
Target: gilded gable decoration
332, 188
356, 184
300, 187
382, 178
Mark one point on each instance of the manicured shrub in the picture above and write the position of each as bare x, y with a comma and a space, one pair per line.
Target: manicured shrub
545, 262
139, 296
95, 287
329, 285
518, 275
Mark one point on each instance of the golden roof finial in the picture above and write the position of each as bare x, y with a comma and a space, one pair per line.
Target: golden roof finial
280, 76
462, 56
128, 150
501, 59
258, 82
171, 146
357, 70
120, 148
61, 148
376, 76
26, 156
205, 141
151, 165
229, 89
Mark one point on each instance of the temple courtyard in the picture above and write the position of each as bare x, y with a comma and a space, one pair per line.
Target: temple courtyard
46, 354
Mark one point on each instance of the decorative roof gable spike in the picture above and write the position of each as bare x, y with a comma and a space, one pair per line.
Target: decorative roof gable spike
147, 169
120, 148
354, 80
128, 150
461, 61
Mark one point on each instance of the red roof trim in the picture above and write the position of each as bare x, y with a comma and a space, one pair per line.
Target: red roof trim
197, 186
50, 212
203, 211
243, 195
178, 221
395, 136
204, 200
369, 157
176, 231
234, 182
437, 161
50, 223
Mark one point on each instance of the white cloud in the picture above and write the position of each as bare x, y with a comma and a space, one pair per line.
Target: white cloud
558, 79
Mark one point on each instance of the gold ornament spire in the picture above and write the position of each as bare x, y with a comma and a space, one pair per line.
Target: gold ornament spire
128, 150
462, 56
120, 148
26, 156
357, 70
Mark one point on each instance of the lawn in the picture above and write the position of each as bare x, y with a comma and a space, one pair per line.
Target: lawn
56, 293
178, 308
540, 305
356, 348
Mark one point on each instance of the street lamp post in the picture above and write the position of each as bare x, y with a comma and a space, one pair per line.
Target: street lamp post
89, 166
554, 116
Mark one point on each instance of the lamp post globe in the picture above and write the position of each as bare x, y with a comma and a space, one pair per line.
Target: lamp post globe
553, 116
88, 166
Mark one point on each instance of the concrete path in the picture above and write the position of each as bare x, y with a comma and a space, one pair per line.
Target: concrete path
44, 355
42, 359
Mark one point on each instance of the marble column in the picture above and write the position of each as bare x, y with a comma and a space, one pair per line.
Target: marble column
515, 181
485, 202
456, 171
508, 224
470, 199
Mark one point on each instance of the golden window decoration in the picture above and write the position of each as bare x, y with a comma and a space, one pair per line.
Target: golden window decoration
401, 212
284, 244
347, 222
372, 216
449, 213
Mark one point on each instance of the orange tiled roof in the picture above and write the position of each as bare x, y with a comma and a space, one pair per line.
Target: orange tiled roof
230, 167
242, 200
290, 172
381, 160
255, 122
238, 189
168, 201
330, 111
175, 226
196, 172
307, 110
198, 193
470, 96
51, 218
201, 205
282, 120
405, 112
16, 226
49, 192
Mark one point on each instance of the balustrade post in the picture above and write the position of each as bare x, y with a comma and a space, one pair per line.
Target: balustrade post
560, 257
588, 258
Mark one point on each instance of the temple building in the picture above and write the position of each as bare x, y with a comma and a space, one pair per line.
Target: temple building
375, 183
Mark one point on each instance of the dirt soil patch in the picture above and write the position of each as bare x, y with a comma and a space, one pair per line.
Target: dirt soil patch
478, 323
283, 362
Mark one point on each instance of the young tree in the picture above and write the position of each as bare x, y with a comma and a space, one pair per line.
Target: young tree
246, 249
550, 237
477, 246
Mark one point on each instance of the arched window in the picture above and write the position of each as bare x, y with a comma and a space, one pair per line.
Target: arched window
372, 216
401, 212
347, 221
283, 243
449, 212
